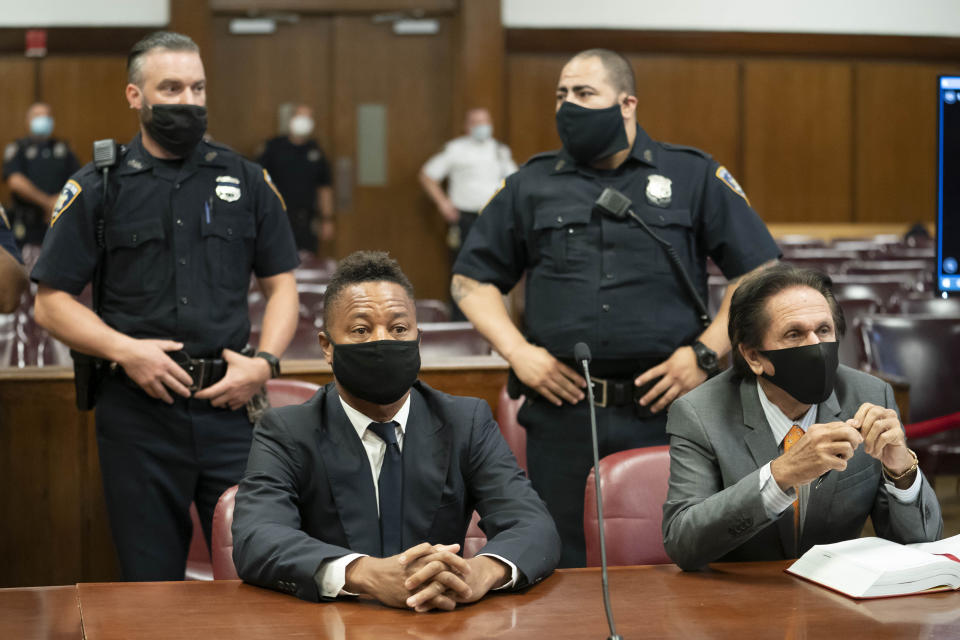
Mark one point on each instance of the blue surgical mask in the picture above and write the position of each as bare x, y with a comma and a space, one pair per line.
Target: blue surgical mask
481, 132
41, 126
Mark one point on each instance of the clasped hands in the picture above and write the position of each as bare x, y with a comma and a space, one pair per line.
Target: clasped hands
425, 577
829, 446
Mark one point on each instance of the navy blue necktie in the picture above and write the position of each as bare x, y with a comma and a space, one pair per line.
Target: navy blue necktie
391, 490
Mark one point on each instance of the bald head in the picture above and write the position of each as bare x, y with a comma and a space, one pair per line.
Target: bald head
618, 69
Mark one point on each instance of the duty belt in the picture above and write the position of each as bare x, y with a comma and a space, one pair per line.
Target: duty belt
612, 392
204, 371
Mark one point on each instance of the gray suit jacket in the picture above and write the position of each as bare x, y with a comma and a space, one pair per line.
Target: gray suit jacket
719, 440
308, 497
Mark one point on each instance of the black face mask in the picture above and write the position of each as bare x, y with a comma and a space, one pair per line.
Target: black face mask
591, 134
807, 373
379, 372
178, 128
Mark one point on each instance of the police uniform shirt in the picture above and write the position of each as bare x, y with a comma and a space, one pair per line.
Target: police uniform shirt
298, 170
47, 163
180, 244
604, 281
7, 241
474, 168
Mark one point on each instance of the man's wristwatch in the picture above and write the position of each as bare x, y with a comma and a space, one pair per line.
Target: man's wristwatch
272, 361
706, 358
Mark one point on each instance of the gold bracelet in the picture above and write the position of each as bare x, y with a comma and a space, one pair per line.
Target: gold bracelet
913, 467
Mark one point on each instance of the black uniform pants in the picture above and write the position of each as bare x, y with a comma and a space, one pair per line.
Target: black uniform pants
560, 456
155, 460
303, 222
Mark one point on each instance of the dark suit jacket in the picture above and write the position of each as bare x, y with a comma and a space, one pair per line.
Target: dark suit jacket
719, 440
308, 497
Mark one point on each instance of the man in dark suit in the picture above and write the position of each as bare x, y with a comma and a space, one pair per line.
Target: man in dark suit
368, 488
788, 449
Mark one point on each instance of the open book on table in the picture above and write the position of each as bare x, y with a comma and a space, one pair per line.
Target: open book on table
877, 568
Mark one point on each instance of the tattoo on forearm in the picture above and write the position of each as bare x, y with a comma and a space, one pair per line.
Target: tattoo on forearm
461, 287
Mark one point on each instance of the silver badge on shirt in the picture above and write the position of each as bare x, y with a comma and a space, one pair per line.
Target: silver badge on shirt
659, 190
228, 188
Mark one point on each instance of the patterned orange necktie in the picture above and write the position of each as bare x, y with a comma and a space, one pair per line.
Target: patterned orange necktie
789, 440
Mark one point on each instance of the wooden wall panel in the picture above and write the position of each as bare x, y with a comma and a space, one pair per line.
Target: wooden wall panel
531, 103
249, 76
798, 139
896, 120
479, 80
86, 94
691, 101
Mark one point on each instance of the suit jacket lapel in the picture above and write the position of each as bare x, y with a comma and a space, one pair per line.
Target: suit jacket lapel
426, 458
349, 477
764, 448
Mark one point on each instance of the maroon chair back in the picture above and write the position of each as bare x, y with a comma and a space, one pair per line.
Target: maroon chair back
634, 485
513, 432
282, 392
883, 288
927, 306
475, 537
199, 566
221, 537
452, 339
432, 311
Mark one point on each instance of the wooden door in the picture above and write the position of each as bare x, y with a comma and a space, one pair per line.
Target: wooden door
408, 79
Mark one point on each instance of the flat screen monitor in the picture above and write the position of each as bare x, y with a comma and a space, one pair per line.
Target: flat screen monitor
948, 185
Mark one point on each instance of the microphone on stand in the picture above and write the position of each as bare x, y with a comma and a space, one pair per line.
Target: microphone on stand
581, 352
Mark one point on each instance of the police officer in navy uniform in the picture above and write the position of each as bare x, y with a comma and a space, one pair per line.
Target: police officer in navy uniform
302, 174
185, 223
36, 168
604, 281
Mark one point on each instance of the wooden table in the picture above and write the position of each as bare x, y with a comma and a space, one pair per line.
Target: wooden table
747, 600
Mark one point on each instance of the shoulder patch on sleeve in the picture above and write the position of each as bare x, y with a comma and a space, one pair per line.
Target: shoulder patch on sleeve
9, 152
3, 217
503, 183
69, 193
269, 181
727, 178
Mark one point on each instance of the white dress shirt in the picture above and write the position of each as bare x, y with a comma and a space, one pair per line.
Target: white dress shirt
331, 576
775, 500
474, 168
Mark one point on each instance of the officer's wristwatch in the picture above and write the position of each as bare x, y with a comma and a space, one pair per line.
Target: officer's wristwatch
706, 358
272, 361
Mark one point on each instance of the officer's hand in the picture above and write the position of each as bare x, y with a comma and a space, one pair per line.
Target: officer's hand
449, 212
245, 376
328, 229
822, 448
549, 377
680, 374
147, 363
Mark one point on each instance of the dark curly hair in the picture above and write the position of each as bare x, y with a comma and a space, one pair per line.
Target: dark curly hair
363, 266
748, 308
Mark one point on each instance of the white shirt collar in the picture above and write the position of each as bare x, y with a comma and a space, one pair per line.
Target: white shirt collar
779, 422
360, 421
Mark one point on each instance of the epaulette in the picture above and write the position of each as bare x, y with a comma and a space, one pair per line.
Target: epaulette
681, 147
220, 145
542, 156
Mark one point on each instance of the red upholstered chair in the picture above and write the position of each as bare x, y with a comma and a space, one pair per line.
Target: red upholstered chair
513, 432
634, 486
432, 311
282, 392
198, 559
221, 538
452, 340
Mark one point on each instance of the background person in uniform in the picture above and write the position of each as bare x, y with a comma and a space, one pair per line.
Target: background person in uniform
302, 174
473, 165
186, 222
13, 277
368, 487
36, 168
748, 448
604, 281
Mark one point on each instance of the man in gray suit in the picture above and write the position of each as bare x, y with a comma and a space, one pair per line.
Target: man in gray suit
787, 449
